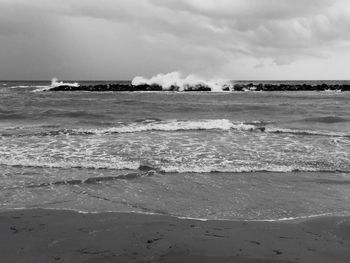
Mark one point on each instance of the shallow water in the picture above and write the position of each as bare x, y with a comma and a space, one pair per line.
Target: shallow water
251, 155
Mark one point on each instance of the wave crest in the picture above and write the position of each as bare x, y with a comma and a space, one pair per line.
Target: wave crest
216, 124
183, 125
175, 125
55, 83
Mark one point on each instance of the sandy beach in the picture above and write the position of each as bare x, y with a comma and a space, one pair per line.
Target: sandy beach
65, 236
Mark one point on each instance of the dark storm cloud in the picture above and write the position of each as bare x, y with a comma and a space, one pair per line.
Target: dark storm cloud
195, 36
269, 28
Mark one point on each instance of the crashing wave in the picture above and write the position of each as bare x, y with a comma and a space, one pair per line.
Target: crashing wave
181, 125
174, 81
217, 124
57, 84
151, 125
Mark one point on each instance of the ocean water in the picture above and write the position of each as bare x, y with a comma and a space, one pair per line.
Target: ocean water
229, 155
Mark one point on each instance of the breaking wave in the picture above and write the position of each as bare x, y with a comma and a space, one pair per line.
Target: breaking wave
305, 132
205, 125
174, 125
184, 125
174, 79
55, 83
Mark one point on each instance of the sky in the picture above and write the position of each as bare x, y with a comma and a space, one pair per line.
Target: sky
121, 39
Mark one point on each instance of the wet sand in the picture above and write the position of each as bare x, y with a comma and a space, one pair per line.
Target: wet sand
64, 236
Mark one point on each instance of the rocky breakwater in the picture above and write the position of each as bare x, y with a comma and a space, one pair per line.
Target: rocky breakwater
202, 87
290, 87
130, 87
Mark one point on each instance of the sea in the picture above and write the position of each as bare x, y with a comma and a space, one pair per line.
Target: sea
203, 155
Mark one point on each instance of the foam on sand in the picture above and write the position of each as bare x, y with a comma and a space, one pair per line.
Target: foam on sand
88, 163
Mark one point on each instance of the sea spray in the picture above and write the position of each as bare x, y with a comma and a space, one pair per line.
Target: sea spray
55, 83
174, 79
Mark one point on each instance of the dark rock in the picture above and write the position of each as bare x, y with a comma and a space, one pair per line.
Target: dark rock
198, 87
202, 87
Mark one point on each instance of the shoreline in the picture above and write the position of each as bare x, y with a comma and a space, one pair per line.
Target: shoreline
285, 219
46, 235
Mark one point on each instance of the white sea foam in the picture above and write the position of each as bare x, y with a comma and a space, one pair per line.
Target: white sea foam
215, 124
178, 169
174, 125
188, 125
115, 164
237, 169
166, 81
284, 219
55, 83
305, 132
333, 91
30, 86
92, 212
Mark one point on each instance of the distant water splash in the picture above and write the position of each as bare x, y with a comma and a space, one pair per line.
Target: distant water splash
38, 86
54, 84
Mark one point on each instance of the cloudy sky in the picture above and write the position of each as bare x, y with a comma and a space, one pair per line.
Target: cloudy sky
118, 39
